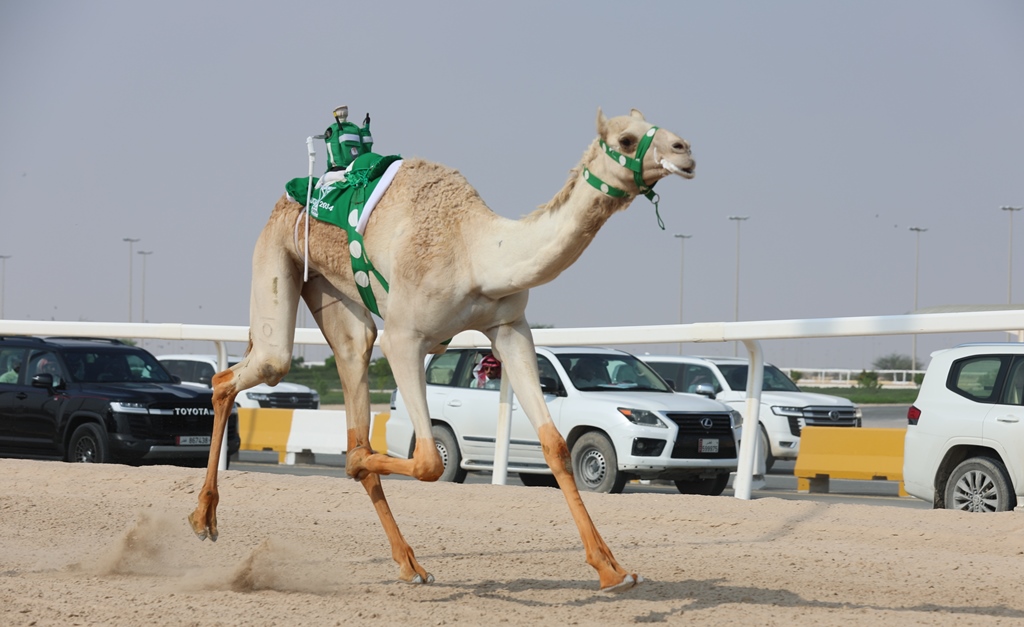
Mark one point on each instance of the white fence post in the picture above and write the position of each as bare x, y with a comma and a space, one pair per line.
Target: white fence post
503, 439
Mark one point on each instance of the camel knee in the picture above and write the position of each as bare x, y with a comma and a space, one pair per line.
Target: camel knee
427, 463
271, 370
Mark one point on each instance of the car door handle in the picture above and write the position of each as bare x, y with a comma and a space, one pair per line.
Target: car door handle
1008, 419
455, 403
21, 396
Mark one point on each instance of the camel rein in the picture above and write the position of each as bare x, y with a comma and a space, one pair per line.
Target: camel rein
633, 164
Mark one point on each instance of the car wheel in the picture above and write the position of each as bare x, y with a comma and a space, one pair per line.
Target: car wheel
446, 445
595, 465
713, 486
534, 480
769, 459
88, 445
980, 484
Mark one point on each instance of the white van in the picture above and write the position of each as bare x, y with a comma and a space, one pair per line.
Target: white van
785, 408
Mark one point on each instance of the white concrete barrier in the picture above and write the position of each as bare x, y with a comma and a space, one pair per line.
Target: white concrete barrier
316, 431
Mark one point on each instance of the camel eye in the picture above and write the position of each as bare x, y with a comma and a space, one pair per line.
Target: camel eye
627, 142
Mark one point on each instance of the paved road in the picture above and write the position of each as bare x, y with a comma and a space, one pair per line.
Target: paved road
780, 482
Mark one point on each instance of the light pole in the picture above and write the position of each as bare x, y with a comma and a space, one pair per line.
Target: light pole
917, 271
3, 281
682, 261
739, 220
1009, 274
144, 253
131, 245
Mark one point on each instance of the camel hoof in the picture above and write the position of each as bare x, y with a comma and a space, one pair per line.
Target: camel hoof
625, 584
419, 579
202, 531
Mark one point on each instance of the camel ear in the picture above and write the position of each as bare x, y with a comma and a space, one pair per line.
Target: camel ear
602, 122
636, 114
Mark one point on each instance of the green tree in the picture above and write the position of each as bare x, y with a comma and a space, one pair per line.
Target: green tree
380, 375
893, 361
868, 379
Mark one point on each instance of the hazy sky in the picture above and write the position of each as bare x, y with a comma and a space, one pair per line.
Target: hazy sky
835, 126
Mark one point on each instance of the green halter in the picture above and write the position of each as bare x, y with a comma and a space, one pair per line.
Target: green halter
636, 166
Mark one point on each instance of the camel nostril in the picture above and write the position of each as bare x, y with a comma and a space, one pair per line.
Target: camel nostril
680, 147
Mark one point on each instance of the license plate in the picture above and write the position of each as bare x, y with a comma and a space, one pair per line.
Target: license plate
195, 440
707, 445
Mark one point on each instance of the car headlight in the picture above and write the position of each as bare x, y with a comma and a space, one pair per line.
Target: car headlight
857, 413
778, 410
735, 419
642, 417
129, 408
315, 395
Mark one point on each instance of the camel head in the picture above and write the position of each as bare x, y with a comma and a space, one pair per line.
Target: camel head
663, 152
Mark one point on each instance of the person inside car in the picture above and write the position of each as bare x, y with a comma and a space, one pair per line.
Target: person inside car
11, 375
588, 374
487, 374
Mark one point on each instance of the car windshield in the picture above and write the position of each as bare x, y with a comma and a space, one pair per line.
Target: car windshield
114, 366
774, 379
595, 372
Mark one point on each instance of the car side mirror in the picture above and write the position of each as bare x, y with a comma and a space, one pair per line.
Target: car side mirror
205, 381
47, 380
671, 384
175, 379
705, 389
549, 385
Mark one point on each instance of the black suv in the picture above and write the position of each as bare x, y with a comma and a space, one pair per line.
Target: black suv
99, 400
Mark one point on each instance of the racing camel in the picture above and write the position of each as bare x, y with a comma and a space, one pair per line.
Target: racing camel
453, 265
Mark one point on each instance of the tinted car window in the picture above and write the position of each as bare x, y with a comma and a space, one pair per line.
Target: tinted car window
597, 372
180, 368
975, 377
774, 379
441, 370
1013, 394
114, 366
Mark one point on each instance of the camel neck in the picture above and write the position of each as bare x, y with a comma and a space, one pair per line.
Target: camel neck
536, 249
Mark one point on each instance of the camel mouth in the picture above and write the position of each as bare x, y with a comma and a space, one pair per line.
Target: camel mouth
686, 173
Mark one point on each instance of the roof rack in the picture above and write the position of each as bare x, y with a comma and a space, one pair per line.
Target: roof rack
22, 337
107, 340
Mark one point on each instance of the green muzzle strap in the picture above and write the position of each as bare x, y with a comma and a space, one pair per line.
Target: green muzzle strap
633, 164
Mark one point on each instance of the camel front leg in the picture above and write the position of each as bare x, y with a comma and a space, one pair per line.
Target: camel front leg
272, 306
204, 518
514, 345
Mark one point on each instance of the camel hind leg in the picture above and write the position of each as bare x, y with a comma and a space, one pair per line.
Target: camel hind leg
350, 332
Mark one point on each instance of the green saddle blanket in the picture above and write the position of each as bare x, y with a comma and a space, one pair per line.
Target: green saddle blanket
342, 204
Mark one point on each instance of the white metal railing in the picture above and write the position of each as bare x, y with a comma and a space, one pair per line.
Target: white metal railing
750, 333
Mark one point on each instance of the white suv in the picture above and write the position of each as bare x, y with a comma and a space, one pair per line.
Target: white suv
785, 408
965, 434
620, 422
199, 370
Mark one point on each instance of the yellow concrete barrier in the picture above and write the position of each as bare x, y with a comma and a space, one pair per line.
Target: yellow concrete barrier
845, 453
295, 434
265, 430
378, 432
